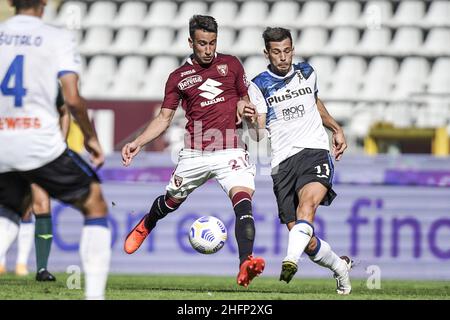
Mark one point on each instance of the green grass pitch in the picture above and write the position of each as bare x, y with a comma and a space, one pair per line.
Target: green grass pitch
166, 287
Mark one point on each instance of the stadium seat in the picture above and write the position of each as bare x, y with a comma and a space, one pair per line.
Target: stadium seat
411, 78
127, 41
313, 14
345, 13
131, 14
50, 13
249, 42
283, 14
379, 79
98, 76
347, 78
159, 40
252, 14
374, 42
400, 114
225, 39
187, 10
180, 44
324, 67
408, 13
407, 41
224, 12
71, 13
156, 76
376, 14
160, 14
97, 40
437, 16
343, 41
439, 79
437, 42
128, 77
311, 41
255, 65
101, 13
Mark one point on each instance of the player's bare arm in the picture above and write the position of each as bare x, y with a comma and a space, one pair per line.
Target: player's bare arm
339, 142
64, 120
77, 106
156, 127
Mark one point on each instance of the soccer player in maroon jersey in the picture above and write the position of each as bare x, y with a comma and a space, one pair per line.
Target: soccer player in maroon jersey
212, 89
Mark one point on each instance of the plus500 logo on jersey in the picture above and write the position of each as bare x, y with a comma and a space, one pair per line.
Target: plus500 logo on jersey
189, 82
289, 95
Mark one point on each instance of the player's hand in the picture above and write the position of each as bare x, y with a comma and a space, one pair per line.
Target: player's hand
95, 150
339, 144
129, 151
247, 111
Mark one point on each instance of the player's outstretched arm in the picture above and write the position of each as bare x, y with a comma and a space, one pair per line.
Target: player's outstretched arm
339, 142
156, 127
77, 106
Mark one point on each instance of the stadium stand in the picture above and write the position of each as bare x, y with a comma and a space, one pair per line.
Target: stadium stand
377, 60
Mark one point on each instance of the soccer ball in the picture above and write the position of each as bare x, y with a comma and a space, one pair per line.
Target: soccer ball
207, 235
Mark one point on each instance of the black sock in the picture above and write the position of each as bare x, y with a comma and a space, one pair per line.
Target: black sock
159, 210
244, 228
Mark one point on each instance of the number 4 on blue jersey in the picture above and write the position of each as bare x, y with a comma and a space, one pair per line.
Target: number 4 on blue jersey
18, 91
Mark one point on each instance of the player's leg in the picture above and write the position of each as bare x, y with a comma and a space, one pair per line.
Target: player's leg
24, 243
190, 173
320, 252
43, 232
95, 242
309, 198
71, 180
236, 177
15, 197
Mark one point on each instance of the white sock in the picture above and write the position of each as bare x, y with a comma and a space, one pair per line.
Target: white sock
299, 237
95, 252
325, 257
3, 260
25, 242
8, 233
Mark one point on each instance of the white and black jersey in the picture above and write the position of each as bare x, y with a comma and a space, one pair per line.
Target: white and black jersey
293, 120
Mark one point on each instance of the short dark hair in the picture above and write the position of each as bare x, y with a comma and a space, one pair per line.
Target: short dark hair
275, 35
199, 22
25, 4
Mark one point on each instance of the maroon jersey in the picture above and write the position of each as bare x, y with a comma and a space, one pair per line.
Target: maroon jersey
209, 96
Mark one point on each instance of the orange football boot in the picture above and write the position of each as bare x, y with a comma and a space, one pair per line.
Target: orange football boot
136, 237
249, 269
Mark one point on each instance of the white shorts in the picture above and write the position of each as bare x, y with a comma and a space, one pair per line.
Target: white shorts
230, 168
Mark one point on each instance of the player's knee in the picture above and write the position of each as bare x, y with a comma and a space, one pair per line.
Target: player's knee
41, 206
312, 245
94, 205
307, 209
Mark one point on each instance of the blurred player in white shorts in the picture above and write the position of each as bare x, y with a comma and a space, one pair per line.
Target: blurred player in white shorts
211, 87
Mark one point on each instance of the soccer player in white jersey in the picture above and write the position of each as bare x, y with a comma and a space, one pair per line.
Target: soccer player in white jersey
287, 104
33, 55
41, 231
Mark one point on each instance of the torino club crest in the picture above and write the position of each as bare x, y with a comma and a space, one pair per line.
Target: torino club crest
222, 69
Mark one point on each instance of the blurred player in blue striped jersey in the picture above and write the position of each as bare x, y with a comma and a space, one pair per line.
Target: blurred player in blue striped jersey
287, 105
33, 55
